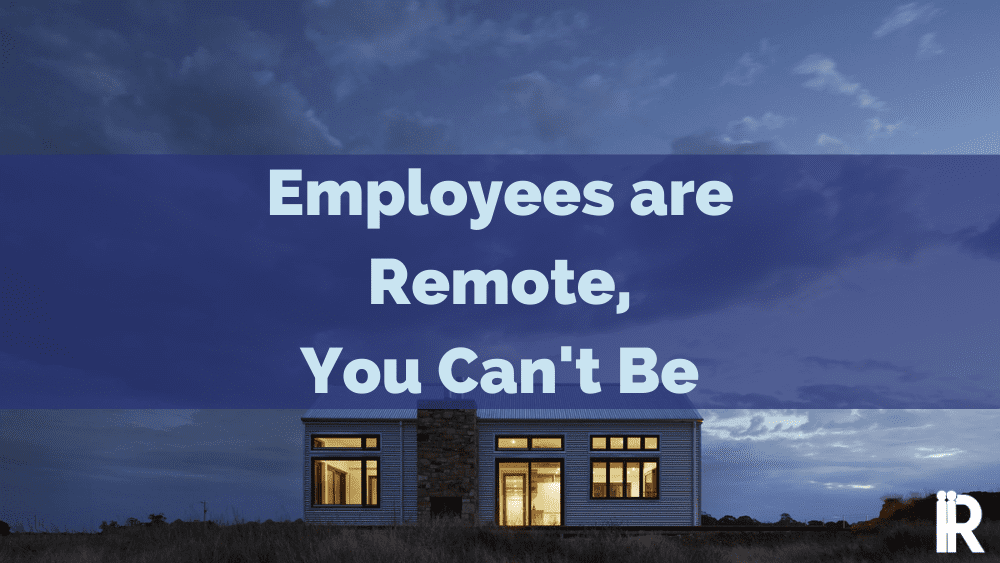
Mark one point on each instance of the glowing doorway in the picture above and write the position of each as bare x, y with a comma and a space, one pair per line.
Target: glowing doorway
529, 493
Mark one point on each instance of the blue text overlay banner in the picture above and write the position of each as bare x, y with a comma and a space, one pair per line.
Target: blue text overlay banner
536, 282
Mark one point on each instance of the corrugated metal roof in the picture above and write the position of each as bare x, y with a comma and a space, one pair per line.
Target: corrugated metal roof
360, 414
567, 403
588, 414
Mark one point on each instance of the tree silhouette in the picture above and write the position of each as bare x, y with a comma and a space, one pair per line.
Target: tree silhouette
157, 519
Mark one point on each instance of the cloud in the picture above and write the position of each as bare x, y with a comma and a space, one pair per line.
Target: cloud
367, 34
984, 144
709, 143
750, 65
113, 93
905, 373
415, 133
571, 106
826, 77
877, 128
358, 39
742, 129
756, 425
625, 86
891, 395
557, 27
551, 112
832, 145
829, 464
935, 453
986, 243
929, 47
905, 15
113, 464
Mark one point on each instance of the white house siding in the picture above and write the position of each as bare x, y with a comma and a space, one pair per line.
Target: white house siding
391, 474
679, 501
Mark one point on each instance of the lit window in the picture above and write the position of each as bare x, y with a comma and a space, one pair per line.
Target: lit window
345, 482
624, 478
624, 443
345, 442
512, 443
529, 442
547, 443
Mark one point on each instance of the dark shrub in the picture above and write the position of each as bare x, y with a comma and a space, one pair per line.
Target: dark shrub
4, 528
905, 537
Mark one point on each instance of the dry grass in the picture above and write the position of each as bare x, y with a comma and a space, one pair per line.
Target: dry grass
443, 541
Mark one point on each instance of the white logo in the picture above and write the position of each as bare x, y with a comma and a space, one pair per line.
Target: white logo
947, 527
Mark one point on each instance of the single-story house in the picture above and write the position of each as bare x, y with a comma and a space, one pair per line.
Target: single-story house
501, 464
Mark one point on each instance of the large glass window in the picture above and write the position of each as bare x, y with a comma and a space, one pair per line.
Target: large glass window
624, 478
529, 493
624, 443
529, 442
345, 442
352, 482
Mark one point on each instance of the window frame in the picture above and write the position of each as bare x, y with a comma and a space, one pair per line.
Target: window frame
364, 440
529, 437
624, 437
623, 460
365, 478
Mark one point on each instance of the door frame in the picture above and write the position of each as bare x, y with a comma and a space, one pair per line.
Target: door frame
527, 486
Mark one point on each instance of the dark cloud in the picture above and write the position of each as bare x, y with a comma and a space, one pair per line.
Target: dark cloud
552, 114
828, 464
105, 90
414, 133
572, 108
986, 242
361, 39
905, 373
112, 465
833, 396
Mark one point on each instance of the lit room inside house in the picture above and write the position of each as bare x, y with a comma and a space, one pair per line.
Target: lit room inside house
346, 482
530, 493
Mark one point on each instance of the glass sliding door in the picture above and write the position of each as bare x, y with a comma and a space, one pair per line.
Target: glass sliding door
529, 493
546, 493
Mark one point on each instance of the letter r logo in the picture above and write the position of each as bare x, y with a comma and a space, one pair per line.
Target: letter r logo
947, 527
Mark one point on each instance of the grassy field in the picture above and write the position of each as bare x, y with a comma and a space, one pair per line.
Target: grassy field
444, 541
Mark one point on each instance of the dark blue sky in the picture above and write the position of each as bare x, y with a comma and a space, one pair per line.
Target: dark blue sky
851, 283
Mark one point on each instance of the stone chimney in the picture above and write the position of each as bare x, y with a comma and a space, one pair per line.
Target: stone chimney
447, 459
